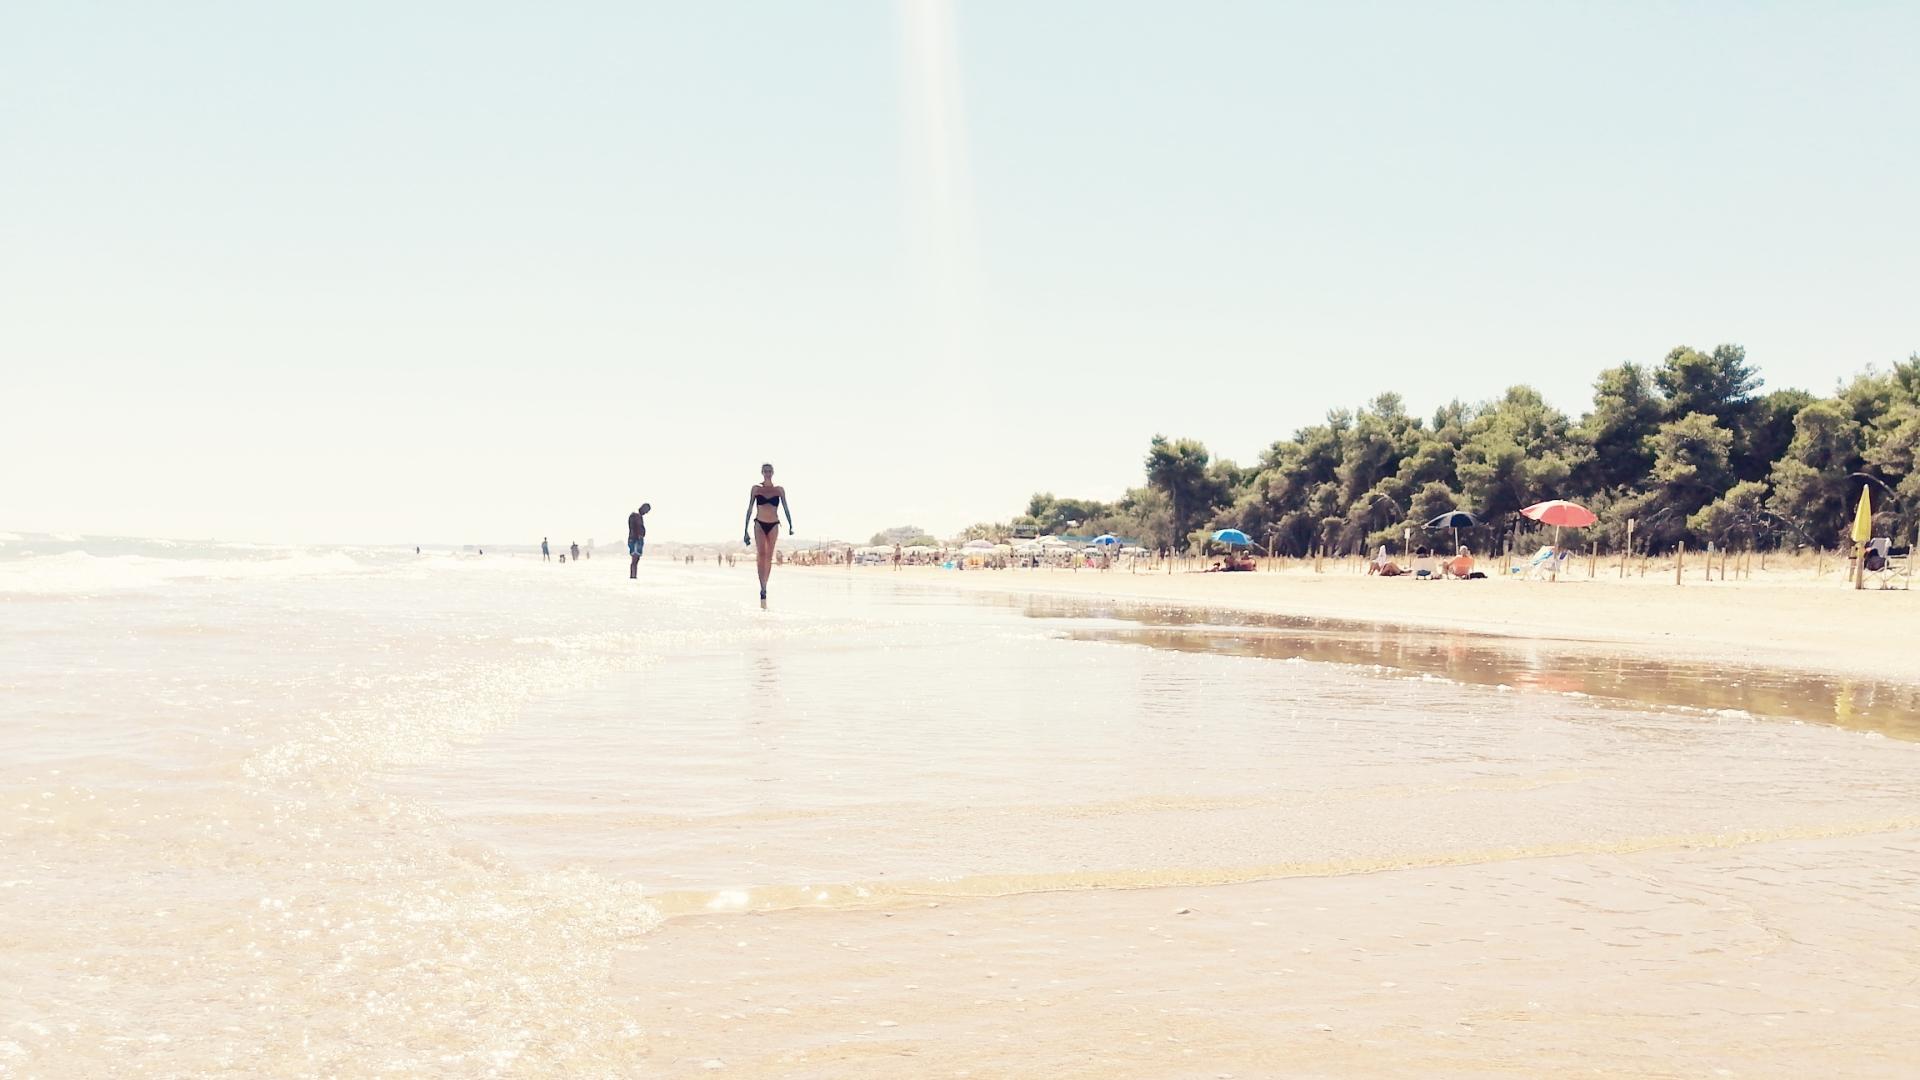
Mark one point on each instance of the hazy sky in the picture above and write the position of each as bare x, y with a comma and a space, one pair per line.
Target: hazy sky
478, 271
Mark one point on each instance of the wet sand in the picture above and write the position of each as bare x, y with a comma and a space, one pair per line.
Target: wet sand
1662, 875
1782, 620
1647, 965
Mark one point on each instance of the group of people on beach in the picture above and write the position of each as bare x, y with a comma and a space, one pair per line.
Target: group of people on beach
546, 552
1426, 564
766, 501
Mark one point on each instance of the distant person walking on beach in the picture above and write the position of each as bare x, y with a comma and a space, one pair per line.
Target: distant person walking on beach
764, 505
545, 555
575, 549
637, 537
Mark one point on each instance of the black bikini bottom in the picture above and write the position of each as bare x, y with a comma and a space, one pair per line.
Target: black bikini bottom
767, 526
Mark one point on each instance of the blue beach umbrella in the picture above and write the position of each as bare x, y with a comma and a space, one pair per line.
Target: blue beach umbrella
1455, 520
1232, 536
1106, 538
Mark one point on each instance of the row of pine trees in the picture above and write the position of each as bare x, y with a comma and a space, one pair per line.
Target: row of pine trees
1690, 449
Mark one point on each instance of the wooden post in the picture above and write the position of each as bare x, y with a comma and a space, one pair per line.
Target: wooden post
1593, 558
1679, 560
1627, 552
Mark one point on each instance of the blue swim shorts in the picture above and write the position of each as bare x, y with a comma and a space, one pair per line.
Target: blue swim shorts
637, 548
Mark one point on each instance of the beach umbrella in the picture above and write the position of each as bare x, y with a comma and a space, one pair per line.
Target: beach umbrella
1862, 532
980, 545
1232, 536
1106, 538
1863, 518
1559, 512
1455, 520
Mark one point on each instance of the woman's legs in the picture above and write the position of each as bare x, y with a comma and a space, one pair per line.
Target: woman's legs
763, 550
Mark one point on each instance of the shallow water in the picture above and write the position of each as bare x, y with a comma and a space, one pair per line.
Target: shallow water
290, 813
1569, 667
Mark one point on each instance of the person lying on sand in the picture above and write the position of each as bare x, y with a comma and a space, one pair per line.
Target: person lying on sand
1383, 564
1229, 564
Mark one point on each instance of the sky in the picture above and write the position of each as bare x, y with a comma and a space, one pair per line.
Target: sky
484, 272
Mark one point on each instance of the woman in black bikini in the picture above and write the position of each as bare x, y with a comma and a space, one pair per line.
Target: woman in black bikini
764, 505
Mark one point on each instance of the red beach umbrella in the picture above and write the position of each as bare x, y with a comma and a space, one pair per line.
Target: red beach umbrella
1558, 512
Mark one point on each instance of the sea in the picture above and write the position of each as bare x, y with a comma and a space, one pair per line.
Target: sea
280, 811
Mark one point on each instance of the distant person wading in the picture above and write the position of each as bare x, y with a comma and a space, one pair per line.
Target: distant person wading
765, 502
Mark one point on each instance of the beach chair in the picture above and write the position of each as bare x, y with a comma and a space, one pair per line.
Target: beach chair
1886, 564
1525, 569
1543, 565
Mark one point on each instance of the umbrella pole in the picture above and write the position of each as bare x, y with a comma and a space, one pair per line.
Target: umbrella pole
1555, 560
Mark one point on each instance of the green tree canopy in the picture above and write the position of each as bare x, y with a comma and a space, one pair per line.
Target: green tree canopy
1810, 482
1518, 451
1688, 448
1718, 384
1178, 469
1627, 408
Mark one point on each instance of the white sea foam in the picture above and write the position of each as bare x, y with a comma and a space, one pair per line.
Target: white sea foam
81, 573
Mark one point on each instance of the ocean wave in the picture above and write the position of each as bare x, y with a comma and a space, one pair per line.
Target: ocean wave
80, 573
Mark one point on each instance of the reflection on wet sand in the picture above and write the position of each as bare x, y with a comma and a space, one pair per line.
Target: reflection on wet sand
1558, 666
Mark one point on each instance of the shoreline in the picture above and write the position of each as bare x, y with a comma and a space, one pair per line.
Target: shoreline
1809, 626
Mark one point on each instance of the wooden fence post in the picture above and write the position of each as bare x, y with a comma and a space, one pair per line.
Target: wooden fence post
1679, 559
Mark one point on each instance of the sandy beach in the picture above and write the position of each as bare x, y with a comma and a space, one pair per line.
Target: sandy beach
1785, 618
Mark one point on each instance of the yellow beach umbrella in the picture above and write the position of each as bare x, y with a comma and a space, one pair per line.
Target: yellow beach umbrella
1862, 532
1863, 519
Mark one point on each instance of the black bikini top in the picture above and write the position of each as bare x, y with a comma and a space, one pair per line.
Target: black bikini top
767, 500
